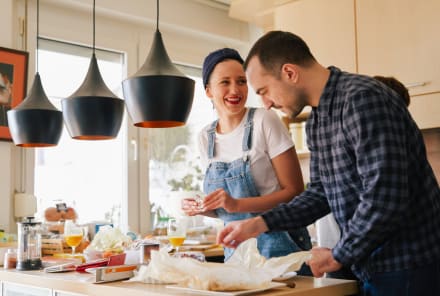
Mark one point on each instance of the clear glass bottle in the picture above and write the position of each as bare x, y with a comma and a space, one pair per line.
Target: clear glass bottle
10, 259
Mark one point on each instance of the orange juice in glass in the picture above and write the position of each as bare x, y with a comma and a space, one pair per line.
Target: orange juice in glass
73, 234
73, 240
176, 232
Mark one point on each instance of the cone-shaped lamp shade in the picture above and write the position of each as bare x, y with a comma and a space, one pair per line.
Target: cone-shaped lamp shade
158, 95
35, 122
93, 112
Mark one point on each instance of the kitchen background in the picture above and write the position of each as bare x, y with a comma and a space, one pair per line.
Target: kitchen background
120, 179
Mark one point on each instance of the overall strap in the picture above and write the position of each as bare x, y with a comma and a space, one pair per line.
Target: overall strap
247, 137
211, 139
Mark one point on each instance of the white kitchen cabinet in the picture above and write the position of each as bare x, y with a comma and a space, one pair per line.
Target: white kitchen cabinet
62, 293
259, 12
400, 38
12, 289
328, 27
425, 110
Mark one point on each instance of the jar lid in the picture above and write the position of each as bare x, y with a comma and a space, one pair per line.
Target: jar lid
29, 221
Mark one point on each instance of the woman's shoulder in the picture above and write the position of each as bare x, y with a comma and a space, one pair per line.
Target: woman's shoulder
267, 117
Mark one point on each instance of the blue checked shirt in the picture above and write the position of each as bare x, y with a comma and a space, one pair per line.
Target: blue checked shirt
369, 168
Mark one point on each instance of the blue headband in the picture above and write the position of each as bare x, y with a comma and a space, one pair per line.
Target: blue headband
216, 57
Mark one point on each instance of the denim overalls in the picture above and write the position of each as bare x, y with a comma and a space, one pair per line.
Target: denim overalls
236, 179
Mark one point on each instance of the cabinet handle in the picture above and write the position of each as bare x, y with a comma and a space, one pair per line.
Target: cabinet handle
134, 144
416, 84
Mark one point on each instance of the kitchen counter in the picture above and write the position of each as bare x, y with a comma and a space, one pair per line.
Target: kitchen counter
79, 283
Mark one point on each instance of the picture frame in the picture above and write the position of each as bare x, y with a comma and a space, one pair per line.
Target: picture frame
13, 84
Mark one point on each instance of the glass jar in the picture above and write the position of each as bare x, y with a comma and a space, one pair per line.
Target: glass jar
10, 260
29, 245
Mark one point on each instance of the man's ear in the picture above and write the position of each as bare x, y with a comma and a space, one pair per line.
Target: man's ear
290, 72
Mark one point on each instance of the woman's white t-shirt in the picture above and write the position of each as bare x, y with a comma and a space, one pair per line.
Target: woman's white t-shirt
269, 139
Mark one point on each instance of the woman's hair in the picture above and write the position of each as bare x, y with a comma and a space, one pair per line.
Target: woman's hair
277, 48
397, 86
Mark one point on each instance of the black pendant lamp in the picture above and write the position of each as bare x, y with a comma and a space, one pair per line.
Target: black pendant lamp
35, 122
93, 112
158, 95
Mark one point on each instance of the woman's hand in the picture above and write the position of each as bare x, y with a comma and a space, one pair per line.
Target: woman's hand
220, 199
191, 206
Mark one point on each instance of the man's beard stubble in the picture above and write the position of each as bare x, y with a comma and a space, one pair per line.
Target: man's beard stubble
299, 104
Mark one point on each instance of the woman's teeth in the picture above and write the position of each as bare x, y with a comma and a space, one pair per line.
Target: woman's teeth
233, 100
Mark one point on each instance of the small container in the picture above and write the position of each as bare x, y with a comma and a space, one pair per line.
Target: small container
199, 256
10, 260
145, 251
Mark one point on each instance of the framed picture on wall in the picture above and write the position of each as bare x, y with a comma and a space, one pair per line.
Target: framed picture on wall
13, 81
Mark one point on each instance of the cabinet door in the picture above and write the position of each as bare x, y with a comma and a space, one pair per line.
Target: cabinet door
400, 38
424, 109
11, 289
328, 27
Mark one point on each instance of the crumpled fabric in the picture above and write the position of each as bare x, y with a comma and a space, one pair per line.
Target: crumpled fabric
245, 270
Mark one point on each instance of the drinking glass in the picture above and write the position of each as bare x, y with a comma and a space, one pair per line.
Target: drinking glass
176, 232
73, 234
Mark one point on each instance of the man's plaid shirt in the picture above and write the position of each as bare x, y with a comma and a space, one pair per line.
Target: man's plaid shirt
369, 168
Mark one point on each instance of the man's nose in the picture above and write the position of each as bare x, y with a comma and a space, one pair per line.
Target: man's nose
266, 103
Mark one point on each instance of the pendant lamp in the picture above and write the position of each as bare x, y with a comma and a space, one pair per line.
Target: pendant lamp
158, 95
35, 122
93, 112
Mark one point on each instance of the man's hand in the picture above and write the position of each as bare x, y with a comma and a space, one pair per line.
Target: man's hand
238, 231
322, 261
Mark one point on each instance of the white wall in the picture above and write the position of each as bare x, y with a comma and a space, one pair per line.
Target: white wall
7, 151
189, 29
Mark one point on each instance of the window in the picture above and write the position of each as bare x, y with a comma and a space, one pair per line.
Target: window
173, 152
87, 175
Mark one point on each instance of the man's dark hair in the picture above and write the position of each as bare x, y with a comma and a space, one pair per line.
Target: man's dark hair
277, 48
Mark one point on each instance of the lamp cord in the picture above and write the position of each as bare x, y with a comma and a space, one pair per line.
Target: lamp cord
94, 26
157, 15
38, 33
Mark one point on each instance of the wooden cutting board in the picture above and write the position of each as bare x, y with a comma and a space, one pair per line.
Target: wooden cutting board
199, 248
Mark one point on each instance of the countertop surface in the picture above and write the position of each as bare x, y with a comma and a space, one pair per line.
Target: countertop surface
81, 283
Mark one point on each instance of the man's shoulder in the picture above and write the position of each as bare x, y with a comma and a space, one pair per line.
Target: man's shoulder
353, 82
355, 88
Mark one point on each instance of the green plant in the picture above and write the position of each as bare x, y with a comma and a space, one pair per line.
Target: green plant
190, 181
185, 173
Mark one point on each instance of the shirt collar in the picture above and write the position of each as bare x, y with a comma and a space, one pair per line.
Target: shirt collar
326, 99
